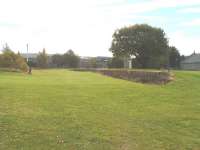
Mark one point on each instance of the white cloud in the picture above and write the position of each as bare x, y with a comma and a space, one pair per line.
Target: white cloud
84, 26
194, 22
190, 10
184, 42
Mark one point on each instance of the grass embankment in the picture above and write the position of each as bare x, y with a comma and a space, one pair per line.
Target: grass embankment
59, 109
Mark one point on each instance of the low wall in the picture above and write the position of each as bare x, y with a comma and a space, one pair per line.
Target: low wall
10, 70
157, 77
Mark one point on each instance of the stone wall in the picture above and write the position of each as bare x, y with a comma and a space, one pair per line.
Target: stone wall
157, 77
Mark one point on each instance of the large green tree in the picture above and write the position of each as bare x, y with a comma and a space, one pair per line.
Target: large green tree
57, 60
42, 59
116, 62
70, 59
147, 44
174, 57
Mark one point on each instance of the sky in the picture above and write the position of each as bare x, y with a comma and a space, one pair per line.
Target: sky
86, 26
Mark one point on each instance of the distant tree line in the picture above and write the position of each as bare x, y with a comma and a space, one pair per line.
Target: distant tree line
146, 46
9, 59
116, 62
66, 60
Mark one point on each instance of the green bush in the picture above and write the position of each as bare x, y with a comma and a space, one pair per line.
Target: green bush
8, 59
116, 62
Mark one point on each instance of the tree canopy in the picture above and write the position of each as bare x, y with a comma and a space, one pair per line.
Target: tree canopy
42, 59
69, 60
174, 57
8, 59
147, 44
57, 60
116, 62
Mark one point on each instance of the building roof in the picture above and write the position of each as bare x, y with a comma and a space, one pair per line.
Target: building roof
32, 55
195, 58
29, 55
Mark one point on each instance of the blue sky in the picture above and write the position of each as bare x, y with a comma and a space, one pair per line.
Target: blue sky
87, 26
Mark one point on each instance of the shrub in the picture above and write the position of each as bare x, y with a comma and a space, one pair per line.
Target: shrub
116, 62
12, 61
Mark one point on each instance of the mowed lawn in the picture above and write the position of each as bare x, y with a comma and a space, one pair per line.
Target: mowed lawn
66, 110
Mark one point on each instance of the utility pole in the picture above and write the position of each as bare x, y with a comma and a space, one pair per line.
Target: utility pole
27, 52
29, 65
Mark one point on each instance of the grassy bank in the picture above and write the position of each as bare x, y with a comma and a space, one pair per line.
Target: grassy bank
60, 109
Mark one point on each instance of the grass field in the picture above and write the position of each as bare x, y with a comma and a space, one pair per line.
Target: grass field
66, 110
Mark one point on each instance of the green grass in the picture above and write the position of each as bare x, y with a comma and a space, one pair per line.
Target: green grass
60, 109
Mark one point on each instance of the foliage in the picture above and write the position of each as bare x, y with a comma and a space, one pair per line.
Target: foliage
148, 44
70, 59
42, 59
116, 62
183, 57
174, 58
57, 60
11, 60
59, 109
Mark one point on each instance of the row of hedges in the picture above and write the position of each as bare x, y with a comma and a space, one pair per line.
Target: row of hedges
158, 77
